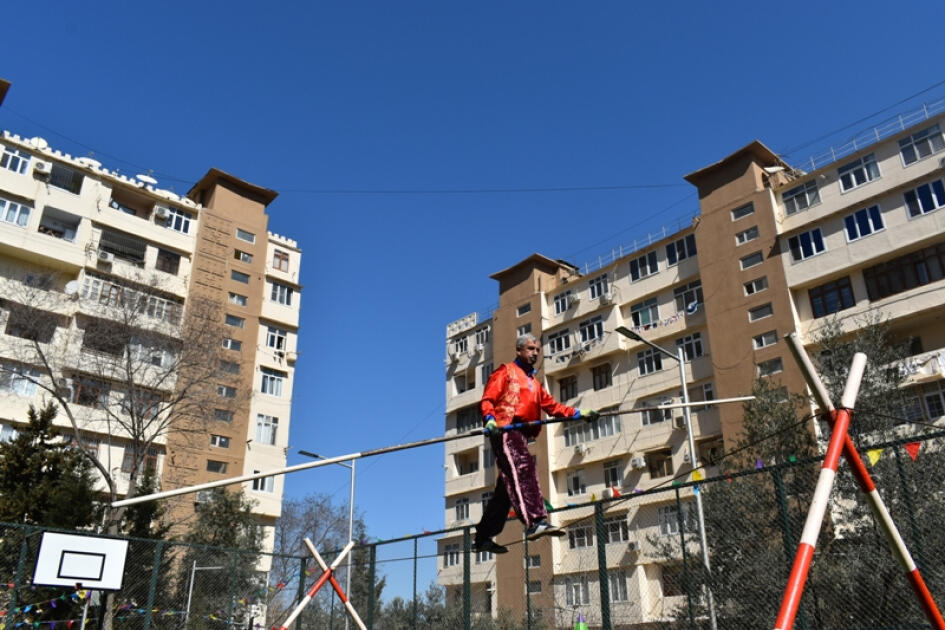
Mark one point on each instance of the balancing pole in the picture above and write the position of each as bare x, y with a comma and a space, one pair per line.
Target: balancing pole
865, 482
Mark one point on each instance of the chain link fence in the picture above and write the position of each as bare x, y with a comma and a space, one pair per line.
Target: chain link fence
631, 561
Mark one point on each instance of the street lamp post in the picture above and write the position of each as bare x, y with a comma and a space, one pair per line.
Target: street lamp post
350, 521
680, 359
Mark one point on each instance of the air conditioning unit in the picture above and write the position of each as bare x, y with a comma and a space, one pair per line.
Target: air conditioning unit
480, 347
161, 212
203, 496
454, 354
679, 422
581, 449
633, 545
106, 257
687, 458
607, 297
42, 168
574, 299
637, 462
291, 356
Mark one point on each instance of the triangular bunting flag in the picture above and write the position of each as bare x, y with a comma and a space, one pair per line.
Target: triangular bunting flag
593, 497
758, 464
512, 514
697, 475
873, 455
615, 491
581, 624
913, 449
548, 505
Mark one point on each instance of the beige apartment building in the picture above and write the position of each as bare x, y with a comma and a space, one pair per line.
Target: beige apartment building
773, 249
96, 246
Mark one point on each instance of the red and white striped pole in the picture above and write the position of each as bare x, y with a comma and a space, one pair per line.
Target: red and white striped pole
815, 515
327, 575
865, 481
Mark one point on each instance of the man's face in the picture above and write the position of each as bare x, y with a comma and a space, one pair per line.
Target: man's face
529, 353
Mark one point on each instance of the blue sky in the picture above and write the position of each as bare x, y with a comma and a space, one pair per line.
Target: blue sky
310, 97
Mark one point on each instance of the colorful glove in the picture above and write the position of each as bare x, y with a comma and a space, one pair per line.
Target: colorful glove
589, 415
491, 426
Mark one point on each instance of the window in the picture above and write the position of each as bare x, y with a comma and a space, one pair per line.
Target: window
751, 260
645, 314
760, 312
105, 336
681, 249
7, 433
60, 224
771, 366
559, 341
486, 497
534, 586
742, 211
281, 294
691, 345
66, 178
451, 555
668, 519
591, 329
266, 429
756, 286
567, 387
29, 323
613, 474
239, 300
524, 329
462, 509
643, 266
921, 145
523, 309
649, 361
220, 441
485, 372
532, 562
276, 338
688, 296
168, 262
239, 276
598, 286
225, 391
20, 380
488, 458
215, 466
232, 344
484, 556
562, 302
15, 160
234, 321
242, 256
280, 260
672, 580
765, 339
464, 382
900, 274
263, 484
467, 419
580, 535
616, 529
576, 591
801, 197
659, 463
617, 585
863, 223
707, 393
272, 382
806, 244
243, 235
601, 376
482, 336
831, 297
460, 345
655, 416
746, 236
925, 198
858, 172
178, 220
581, 432
16, 213
576, 483
223, 415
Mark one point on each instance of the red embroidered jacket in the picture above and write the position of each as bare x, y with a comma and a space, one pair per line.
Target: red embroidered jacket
511, 393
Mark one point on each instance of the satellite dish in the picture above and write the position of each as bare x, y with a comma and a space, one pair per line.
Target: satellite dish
72, 287
39, 143
147, 179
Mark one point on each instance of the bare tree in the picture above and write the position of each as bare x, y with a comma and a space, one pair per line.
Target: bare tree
124, 360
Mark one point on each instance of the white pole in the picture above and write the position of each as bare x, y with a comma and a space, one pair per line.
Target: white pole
350, 537
190, 592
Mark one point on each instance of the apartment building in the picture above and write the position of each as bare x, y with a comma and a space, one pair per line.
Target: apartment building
120, 266
773, 249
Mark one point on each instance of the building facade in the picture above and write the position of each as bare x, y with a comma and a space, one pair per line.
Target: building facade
773, 250
123, 271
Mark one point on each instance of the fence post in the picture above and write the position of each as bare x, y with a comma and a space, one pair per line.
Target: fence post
152, 589
301, 591
467, 616
602, 567
414, 626
232, 597
372, 568
910, 509
680, 525
21, 563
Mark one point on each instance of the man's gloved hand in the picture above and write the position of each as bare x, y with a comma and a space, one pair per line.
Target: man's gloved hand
589, 415
492, 427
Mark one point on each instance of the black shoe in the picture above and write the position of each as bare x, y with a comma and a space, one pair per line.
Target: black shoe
491, 546
542, 528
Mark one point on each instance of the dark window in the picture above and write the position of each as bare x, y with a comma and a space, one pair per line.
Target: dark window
29, 323
905, 272
831, 297
601, 374
66, 178
567, 387
123, 245
105, 336
681, 249
168, 262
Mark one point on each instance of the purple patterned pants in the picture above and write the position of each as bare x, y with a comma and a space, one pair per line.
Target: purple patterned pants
516, 488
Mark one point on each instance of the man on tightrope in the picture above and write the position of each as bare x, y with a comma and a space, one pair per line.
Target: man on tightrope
514, 395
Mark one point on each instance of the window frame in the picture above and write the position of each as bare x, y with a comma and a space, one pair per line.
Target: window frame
865, 168
644, 266
863, 222
911, 142
800, 197
840, 289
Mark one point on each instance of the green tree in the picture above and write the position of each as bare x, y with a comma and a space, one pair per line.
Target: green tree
44, 480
